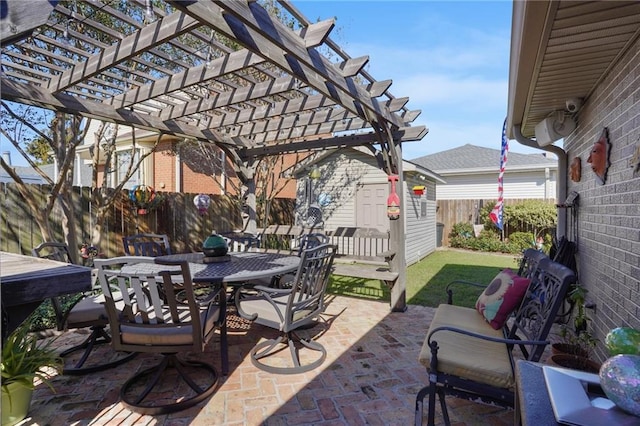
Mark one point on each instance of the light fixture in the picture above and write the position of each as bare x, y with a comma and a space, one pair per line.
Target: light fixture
315, 173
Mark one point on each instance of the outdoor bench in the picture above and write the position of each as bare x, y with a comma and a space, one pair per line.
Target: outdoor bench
361, 252
467, 358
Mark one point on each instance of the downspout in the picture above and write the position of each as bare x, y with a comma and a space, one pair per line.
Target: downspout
561, 230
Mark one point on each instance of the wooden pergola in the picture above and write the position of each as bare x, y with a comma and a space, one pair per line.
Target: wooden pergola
225, 72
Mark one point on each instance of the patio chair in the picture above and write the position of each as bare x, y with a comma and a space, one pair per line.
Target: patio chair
289, 310
311, 240
468, 357
158, 316
305, 242
146, 245
87, 311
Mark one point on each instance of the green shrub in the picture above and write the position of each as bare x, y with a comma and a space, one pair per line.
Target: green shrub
462, 230
520, 241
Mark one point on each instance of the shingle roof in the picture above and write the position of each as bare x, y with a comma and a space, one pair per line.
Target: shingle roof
477, 157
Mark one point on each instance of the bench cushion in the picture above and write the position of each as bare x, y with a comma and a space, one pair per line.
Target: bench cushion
459, 355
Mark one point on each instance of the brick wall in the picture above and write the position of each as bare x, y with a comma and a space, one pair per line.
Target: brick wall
608, 216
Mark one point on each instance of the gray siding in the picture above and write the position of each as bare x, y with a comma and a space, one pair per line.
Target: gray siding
347, 169
609, 215
529, 185
420, 221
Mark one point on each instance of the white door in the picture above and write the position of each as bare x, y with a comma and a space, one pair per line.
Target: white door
371, 206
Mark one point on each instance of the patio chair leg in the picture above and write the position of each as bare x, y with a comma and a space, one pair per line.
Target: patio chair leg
419, 404
98, 336
270, 347
443, 407
146, 402
431, 415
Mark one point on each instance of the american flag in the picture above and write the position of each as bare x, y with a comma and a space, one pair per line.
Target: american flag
496, 213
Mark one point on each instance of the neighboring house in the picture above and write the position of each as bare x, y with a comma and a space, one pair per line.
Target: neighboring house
589, 52
352, 191
171, 169
472, 173
26, 173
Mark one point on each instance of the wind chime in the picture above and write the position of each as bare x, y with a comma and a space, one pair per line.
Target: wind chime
141, 197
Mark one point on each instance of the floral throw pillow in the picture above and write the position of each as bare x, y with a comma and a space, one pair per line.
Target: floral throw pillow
502, 297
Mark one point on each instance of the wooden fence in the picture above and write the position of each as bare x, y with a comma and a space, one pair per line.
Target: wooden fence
175, 216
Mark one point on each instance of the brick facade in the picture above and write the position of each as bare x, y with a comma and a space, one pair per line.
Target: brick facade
608, 216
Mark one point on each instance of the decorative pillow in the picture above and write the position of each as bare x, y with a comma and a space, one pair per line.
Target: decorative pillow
502, 297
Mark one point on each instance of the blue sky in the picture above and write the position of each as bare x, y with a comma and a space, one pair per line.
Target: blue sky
451, 58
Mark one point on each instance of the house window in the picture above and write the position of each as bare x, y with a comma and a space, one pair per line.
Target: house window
423, 208
123, 159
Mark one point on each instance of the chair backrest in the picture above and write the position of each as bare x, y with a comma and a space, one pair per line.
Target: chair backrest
154, 308
241, 242
530, 261
53, 251
306, 299
550, 282
311, 240
146, 245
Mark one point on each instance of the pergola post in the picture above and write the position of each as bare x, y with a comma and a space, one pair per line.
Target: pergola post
396, 238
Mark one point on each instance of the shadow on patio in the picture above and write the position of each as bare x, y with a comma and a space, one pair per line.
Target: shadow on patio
371, 376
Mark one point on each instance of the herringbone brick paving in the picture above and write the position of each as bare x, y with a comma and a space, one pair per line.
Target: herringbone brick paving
370, 377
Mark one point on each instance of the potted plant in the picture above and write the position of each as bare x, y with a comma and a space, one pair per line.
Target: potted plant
23, 360
577, 344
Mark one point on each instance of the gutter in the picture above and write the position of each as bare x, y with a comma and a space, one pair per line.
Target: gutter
561, 230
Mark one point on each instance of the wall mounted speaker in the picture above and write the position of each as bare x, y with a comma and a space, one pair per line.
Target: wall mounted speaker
553, 128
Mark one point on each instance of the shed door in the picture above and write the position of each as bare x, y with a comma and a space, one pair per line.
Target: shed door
371, 206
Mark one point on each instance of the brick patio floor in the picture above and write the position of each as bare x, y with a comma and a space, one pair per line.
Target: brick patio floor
370, 377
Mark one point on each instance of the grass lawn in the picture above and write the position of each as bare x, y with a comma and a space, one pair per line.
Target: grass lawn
427, 279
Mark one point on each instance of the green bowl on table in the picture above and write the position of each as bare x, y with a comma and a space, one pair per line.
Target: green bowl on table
215, 246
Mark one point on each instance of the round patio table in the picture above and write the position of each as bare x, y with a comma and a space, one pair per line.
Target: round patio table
241, 266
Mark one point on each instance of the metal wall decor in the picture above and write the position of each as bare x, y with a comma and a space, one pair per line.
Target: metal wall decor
599, 157
576, 169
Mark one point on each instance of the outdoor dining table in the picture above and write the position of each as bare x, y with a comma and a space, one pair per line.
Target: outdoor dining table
239, 267
27, 281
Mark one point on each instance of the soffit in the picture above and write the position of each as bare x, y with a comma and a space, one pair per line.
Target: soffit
222, 71
562, 50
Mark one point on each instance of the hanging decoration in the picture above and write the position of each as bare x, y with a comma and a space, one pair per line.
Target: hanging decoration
418, 189
393, 201
202, 203
142, 197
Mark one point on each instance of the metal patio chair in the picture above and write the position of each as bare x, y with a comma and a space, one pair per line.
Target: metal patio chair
163, 313
87, 311
146, 245
289, 310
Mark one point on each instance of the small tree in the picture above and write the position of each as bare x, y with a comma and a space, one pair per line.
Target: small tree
26, 126
103, 195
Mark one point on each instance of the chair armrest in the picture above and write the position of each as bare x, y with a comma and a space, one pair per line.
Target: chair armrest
485, 337
449, 288
388, 255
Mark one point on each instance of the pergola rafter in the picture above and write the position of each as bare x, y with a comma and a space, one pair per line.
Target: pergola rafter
224, 72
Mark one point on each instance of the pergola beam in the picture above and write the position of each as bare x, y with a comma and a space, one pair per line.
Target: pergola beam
33, 95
